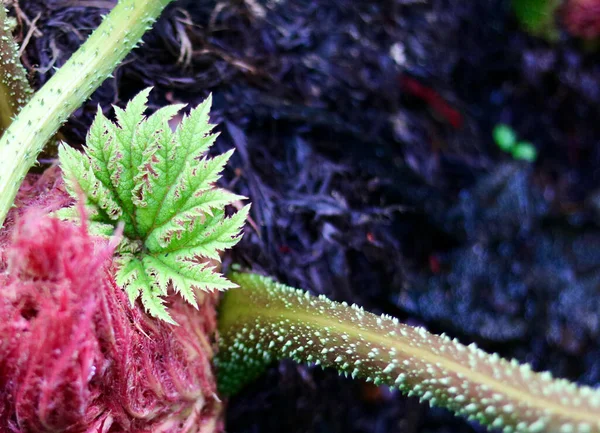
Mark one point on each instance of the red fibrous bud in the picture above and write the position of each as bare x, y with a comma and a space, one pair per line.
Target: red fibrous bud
75, 356
582, 18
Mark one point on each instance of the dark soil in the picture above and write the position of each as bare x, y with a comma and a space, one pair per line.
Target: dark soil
363, 137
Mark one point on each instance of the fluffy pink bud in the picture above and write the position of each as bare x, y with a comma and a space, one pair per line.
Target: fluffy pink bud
582, 18
75, 356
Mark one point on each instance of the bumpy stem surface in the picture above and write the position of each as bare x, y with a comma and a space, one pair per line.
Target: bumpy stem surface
95, 60
15, 90
263, 321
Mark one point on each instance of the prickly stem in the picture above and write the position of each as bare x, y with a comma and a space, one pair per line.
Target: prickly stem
15, 90
263, 321
95, 60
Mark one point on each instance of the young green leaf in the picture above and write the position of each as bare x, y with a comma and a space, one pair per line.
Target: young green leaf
160, 185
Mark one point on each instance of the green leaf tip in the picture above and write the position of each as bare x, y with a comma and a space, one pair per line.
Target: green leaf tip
263, 321
120, 31
160, 184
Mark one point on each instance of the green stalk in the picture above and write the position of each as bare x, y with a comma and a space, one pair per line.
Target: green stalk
95, 60
15, 90
263, 321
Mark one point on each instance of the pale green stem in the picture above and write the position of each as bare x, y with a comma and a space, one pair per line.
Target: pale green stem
95, 60
263, 321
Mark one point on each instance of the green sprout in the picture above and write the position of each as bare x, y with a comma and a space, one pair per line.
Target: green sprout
506, 139
524, 151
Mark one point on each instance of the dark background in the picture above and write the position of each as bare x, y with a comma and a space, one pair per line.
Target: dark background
363, 132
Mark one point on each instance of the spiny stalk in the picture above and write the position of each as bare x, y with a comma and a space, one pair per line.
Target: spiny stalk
95, 60
263, 321
15, 90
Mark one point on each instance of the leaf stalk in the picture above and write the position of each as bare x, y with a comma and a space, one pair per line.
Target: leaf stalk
88, 67
263, 321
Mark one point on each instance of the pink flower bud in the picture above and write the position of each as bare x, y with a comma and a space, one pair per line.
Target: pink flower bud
75, 356
582, 18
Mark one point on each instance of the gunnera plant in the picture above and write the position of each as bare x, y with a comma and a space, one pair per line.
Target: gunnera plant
77, 352
120, 32
76, 355
108, 313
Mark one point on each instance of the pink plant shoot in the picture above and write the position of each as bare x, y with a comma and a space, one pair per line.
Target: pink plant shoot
75, 355
582, 18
